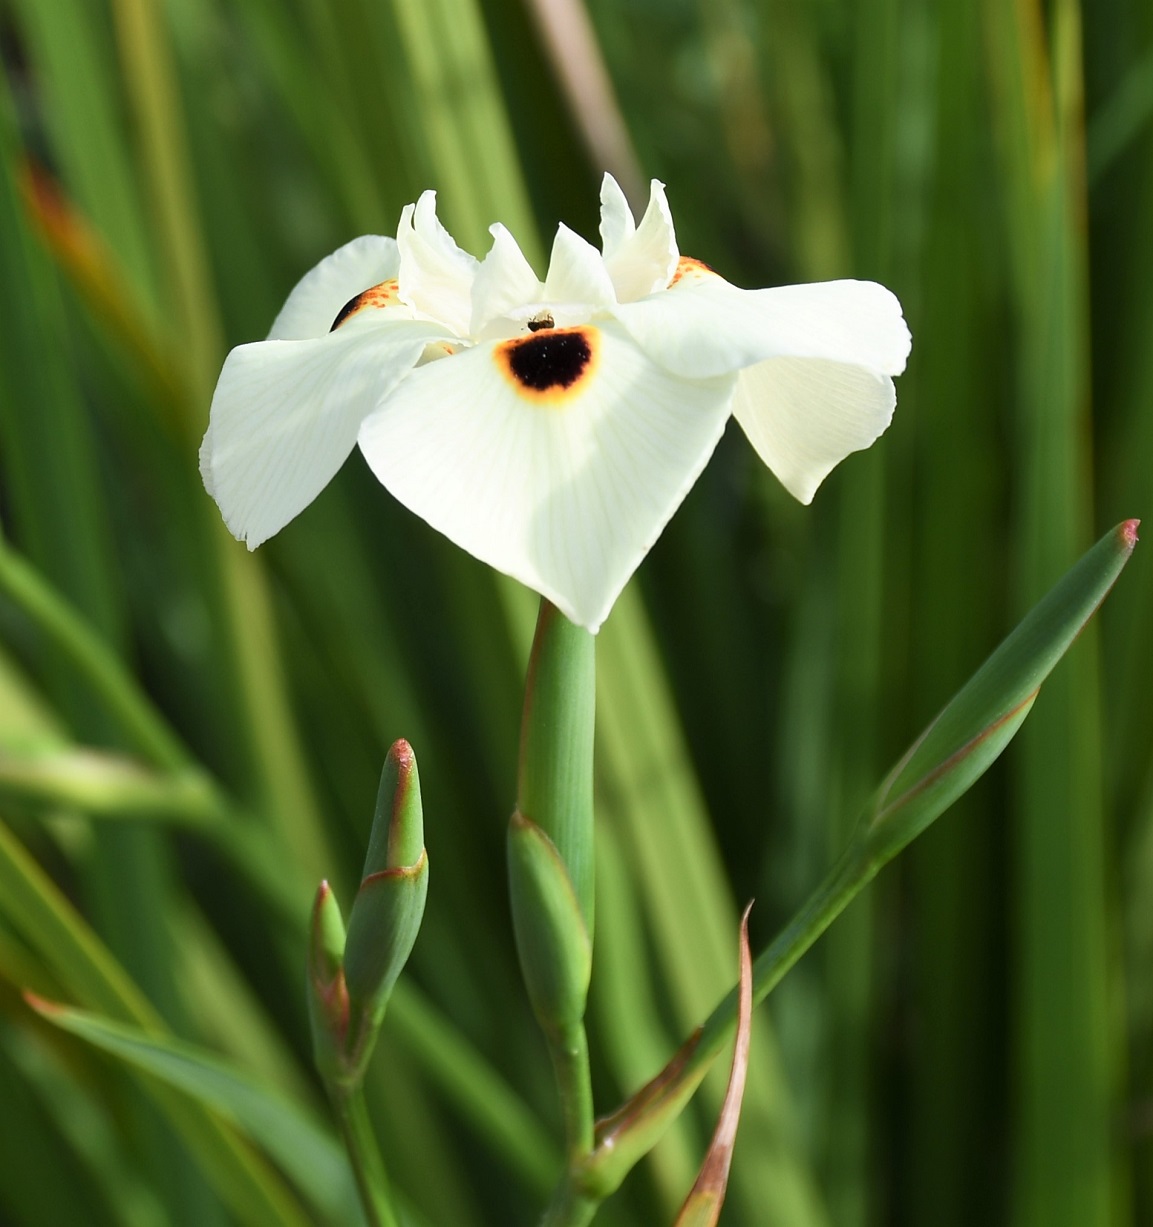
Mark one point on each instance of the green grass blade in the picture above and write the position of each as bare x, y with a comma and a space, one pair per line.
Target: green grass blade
650, 793
33, 905
1067, 1073
293, 1138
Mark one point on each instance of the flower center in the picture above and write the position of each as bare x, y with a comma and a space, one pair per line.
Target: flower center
550, 364
382, 295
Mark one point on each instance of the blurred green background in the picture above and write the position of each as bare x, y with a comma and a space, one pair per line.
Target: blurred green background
190, 735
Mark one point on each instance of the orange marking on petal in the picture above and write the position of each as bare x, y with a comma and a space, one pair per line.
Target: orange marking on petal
383, 295
693, 269
551, 366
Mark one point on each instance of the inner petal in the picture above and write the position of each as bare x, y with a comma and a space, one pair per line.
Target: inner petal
550, 365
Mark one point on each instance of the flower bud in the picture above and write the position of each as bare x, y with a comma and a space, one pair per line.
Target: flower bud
389, 905
552, 939
327, 998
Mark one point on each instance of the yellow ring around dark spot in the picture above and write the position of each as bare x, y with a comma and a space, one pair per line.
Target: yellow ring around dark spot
552, 366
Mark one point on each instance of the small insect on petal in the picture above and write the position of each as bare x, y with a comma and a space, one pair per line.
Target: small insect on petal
382, 295
552, 365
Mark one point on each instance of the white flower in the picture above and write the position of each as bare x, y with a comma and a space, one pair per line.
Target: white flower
550, 428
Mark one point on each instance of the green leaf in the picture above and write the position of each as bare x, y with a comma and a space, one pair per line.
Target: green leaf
40, 913
298, 1143
940, 766
961, 743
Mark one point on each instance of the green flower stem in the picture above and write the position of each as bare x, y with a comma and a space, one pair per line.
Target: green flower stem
367, 1166
570, 1058
555, 785
555, 792
570, 1207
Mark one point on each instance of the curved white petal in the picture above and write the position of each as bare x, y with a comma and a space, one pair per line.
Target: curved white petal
705, 326
285, 415
565, 489
577, 273
505, 282
617, 225
640, 259
319, 295
805, 415
436, 276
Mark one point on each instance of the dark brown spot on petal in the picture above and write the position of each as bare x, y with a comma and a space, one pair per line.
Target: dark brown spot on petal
550, 365
382, 295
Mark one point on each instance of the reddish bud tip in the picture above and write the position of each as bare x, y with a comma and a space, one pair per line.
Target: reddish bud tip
1129, 532
402, 754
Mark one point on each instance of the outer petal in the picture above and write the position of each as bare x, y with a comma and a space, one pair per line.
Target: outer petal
705, 326
285, 416
319, 295
565, 492
805, 415
436, 276
640, 260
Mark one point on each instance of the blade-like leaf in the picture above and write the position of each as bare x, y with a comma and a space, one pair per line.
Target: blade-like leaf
944, 762
957, 748
289, 1134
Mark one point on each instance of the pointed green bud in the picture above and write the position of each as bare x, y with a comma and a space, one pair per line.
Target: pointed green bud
397, 836
973, 729
552, 939
327, 998
389, 905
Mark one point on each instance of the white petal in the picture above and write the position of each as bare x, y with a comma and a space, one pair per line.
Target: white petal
617, 225
565, 489
805, 415
436, 276
319, 295
504, 282
705, 326
640, 259
285, 415
576, 273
